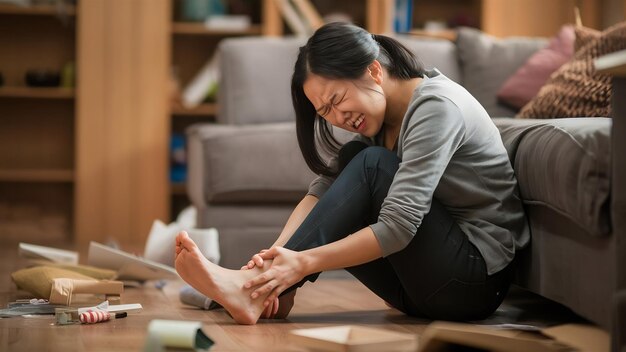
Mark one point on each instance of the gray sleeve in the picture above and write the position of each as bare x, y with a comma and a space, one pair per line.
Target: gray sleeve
322, 183
432, 136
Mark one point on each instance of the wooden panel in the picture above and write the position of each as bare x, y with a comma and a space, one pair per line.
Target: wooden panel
451, 12
38, 93
272, 22
42, 42
190, 28
207, 109
37, 10
536, 17
122, 118
33, 175
153, 106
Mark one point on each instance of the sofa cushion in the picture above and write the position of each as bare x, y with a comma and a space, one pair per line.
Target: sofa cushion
576, 89
563, 164
520, 88
487, 62
247, 164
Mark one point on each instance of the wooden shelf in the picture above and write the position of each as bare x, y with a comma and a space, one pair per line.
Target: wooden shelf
448, 34
207, 109
178, 188
44, 175
37, 10
192, 28
39, 93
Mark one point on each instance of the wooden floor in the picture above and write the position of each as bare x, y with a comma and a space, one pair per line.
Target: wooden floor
327, 302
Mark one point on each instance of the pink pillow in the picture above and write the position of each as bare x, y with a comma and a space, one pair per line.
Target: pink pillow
520, 88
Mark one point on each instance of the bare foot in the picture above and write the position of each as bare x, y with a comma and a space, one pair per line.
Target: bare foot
222, 285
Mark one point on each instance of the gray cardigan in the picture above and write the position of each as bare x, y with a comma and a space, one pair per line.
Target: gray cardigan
451, 150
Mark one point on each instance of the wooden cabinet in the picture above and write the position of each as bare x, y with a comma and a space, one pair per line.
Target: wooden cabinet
84, 163
122, 109
37, 125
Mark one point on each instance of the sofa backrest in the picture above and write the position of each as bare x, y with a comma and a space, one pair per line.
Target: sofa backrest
486, 62
256, 75
255, 79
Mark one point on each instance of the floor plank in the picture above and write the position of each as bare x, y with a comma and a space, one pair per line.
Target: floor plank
327, 302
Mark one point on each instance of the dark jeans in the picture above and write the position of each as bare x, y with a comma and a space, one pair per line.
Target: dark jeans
439, 275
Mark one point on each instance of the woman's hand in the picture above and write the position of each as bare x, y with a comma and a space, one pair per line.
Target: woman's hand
270, 311
256, 260
288, 268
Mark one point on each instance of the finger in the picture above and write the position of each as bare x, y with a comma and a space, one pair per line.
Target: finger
250, 264
258, 261
260, 279
264, 290
269, 254
274, 295
276, 303
245, 267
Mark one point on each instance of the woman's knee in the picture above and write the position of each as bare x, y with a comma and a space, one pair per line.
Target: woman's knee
380, 158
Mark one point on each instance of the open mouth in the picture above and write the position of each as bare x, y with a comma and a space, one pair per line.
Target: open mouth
358, 122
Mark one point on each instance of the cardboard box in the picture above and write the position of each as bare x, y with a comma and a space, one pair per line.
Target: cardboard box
352, 338
441, 336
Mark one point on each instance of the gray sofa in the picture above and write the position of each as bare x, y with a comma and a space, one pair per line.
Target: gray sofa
246, 172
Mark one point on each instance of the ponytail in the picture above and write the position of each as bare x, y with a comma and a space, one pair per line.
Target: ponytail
340, 51
397, 59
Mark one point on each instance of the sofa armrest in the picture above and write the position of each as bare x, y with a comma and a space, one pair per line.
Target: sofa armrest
615, 64
245, 164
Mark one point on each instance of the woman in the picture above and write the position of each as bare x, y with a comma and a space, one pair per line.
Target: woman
422, 207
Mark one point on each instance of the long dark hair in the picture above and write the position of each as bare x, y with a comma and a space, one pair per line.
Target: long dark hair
340, 51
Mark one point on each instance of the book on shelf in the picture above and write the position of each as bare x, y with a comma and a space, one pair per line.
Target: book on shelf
403, 16
202, 84
297, 25
310, 14
228, 22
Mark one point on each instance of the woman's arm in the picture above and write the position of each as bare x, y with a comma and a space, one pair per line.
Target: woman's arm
296, 218
359, 248
289, 267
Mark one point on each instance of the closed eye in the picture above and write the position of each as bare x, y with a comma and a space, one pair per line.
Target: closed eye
326, 109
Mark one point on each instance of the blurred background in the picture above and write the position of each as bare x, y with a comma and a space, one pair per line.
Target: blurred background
95, 95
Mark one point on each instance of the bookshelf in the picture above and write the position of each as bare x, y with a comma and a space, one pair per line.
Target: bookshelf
190, 28
42, 175
37, 166
37, 10
192, 45
205, 109
36, 93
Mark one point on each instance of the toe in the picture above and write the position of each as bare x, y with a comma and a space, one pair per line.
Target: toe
186, 242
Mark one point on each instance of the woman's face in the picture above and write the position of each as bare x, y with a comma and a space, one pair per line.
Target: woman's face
353, 105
